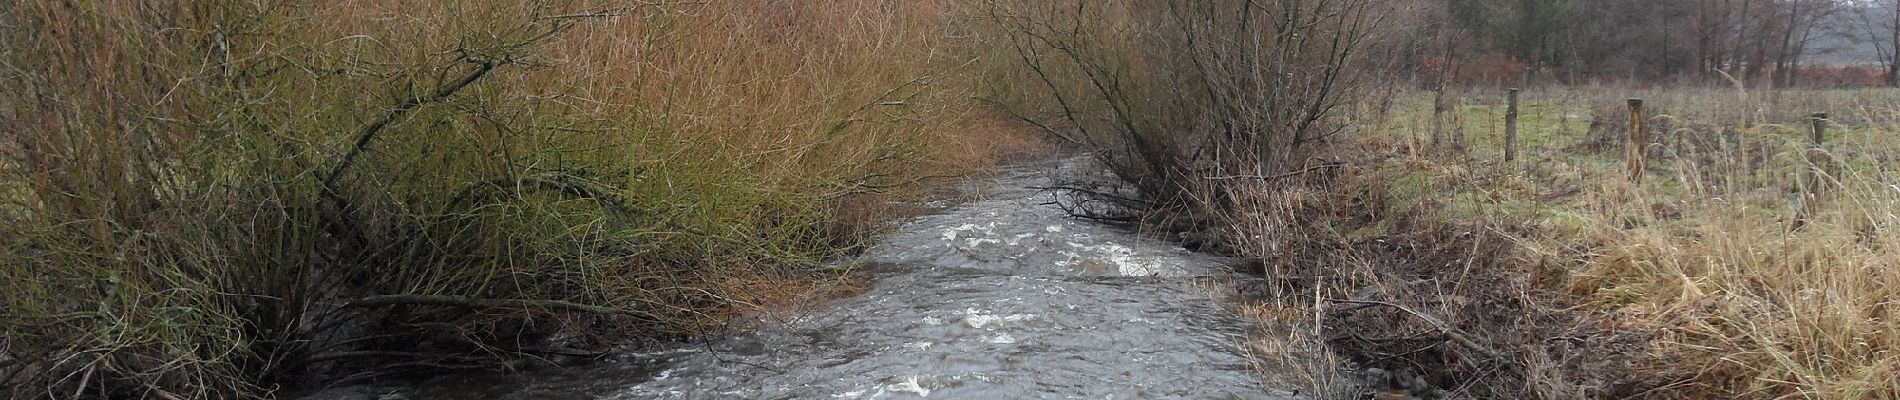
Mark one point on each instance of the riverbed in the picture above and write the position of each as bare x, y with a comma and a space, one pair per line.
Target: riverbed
1001, 296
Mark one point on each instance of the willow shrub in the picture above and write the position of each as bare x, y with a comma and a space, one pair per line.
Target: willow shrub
222, 198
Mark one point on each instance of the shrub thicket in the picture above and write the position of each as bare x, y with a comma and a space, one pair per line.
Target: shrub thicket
215, 199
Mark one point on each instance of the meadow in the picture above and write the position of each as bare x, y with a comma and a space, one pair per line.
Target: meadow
1749, 262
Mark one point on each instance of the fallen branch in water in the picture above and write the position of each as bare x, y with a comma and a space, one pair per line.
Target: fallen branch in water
333, 356
1124, 201
1081, 208
471, 302
442, 359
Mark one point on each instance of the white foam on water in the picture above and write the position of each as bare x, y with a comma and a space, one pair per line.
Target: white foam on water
979, 242
1123, 260
909, 384
980, 320
952, 233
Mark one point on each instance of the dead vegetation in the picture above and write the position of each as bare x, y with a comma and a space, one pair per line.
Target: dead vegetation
1176, 91
1430, 267
1415, 303
1448, 273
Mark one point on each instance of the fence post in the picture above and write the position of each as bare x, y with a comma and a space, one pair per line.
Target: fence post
1820, 127
1510, 126
1817, 157
1638, 143
1438, 116
1816, 161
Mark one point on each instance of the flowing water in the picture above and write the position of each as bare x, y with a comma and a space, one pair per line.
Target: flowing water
1002, 297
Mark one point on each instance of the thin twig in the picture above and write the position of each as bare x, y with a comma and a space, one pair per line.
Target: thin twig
616, 11
1105, 196
1005, 108
471, 302
338, 355
369, 132
1280, 176
1453, 334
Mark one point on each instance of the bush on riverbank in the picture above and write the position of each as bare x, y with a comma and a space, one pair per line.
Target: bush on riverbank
1177, 91
217, 199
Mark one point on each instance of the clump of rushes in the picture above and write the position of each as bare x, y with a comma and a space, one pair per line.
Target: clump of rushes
230, 199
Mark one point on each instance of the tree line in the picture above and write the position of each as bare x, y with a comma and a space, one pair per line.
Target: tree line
1761, 42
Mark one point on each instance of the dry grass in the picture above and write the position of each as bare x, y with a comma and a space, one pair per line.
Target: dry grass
1698, 282
1766, 291
205, 188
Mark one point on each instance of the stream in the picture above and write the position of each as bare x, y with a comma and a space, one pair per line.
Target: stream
1004, 296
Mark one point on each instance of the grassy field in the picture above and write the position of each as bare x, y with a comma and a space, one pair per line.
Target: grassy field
227, 199
1554, 276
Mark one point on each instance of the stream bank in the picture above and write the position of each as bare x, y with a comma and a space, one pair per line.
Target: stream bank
1004, 296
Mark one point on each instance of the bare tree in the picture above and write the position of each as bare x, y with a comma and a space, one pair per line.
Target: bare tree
1653, 39
1179, 90
1803, 19
1880, 23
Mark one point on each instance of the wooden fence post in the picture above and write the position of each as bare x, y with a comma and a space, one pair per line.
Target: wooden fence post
1817, 160
1817, 157
1820, 127
1638, 144
1438, 116
1510, 126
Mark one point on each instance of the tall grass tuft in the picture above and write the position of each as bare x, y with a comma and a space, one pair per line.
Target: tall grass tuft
1772, 273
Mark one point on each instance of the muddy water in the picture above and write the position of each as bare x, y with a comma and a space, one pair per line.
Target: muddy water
1002, 297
